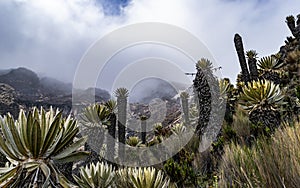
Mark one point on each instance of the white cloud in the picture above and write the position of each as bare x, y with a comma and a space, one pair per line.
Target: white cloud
261, 24
50, 36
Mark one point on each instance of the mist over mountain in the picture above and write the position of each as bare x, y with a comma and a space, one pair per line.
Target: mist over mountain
151, 88
61, 88
22, 88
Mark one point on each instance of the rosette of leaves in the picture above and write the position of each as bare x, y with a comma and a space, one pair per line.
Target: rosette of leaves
142, 177
161, 131
133, 141
178, 129
34, 144
100, 175
228, 95
95, 114
270, 68
94, 121
263, 100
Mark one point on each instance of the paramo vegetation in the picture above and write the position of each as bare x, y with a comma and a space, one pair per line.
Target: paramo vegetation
257, 146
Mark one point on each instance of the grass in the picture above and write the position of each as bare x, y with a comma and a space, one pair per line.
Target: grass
270, 162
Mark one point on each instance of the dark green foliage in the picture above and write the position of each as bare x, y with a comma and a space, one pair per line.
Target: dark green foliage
226, 136
258, 130
269, 118
290, 21
180, 169
272, 76
218, 144
294, 26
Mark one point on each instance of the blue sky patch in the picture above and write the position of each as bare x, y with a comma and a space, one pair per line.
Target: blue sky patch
113, 7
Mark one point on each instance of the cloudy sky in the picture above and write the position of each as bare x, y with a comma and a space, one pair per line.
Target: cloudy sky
51, 36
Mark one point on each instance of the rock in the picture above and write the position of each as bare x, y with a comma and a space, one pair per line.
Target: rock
8, 100
7, 94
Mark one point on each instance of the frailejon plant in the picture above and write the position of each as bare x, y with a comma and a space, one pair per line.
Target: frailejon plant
209, 102
142, 177
143, 119
34, 144
178, 129
203, 93
270, 68
252, 55
133, 141
94, 121
100, 175
262, 99
295, 29
122, 95
238, 42
292, 67
227, 95
111, 106
95, 114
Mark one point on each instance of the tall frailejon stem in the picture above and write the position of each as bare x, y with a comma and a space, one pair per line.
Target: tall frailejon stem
241, 55
143, 128
210, 118
122, 95
185, 106
252, 55
298, 27
111, 105
290, 21
203, 94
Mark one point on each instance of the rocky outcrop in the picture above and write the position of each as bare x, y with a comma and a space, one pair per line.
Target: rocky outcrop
8, 99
